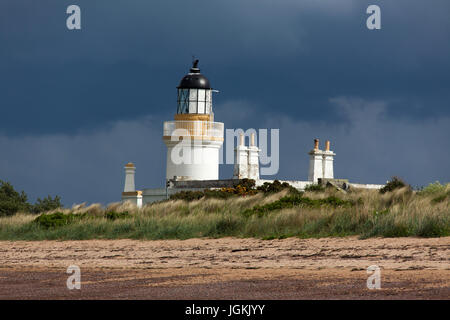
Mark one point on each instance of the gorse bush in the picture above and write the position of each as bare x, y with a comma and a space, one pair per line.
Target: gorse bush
244, 188
275, 187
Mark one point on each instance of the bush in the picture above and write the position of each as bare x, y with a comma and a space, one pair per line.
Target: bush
11, 201
54, 220
432, 188
223, 193
249, 184
276, 186
395, 183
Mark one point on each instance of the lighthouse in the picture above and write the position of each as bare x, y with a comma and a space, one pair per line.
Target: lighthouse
193, 139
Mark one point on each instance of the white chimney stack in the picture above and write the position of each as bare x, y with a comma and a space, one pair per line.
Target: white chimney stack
315, 163
241, 159
328, 158
253, 159
246, 163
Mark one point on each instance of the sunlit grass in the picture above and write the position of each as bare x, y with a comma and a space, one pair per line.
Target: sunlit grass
399, 213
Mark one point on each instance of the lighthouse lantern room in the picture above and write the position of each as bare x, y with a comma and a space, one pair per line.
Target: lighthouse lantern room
193, 139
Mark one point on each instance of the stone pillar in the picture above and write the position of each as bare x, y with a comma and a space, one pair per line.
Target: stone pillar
130, 169
315, 163
240, 160
328, 158
129, 193
253, 159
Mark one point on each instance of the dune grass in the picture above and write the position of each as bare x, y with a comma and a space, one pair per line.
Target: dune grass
365, 213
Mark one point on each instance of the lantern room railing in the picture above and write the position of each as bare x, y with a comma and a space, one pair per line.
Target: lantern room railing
200, 129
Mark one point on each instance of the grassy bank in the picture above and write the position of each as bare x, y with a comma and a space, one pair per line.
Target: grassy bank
366, 213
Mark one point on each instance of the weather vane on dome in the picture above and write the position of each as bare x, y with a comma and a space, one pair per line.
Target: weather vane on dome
194, 62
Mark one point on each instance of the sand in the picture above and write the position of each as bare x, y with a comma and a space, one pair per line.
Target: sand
227, 268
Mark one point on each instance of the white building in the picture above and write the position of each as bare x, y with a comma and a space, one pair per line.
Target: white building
193, 143
197, 158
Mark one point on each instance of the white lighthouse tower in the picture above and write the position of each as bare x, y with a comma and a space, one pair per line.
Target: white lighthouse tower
193, 139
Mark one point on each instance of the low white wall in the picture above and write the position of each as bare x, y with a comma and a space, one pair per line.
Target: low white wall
366, 186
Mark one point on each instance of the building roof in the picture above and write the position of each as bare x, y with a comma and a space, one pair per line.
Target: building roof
194, 79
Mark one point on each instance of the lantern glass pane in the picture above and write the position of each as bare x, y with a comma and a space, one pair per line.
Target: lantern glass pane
193, 107
193, 94
201, 94
201, 107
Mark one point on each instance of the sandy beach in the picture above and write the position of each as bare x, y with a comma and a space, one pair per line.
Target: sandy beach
227, 268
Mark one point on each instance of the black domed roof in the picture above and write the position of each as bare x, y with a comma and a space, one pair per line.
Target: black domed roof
194, 79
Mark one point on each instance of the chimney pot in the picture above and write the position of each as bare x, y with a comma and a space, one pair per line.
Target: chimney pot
316, 144
327, 145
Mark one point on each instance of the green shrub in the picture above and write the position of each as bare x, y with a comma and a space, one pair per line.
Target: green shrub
275, 187
395, 183
249, 184
223, 193
432, 188
54, 220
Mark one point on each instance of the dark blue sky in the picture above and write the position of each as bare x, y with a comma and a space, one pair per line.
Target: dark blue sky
77, 105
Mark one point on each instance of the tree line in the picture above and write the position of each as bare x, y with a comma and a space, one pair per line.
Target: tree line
12, 201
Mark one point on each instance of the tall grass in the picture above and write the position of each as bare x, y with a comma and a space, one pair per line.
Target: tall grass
366, 213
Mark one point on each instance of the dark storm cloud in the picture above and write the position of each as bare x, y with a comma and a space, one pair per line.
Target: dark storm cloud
289, 55
76, 105
370, 146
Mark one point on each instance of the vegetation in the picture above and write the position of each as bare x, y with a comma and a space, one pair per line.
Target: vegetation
292, 201
263, 214
394, 183
275, 187
12, 201
315, 188
46, 204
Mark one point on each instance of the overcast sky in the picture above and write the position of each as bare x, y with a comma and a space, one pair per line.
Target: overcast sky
77, 105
